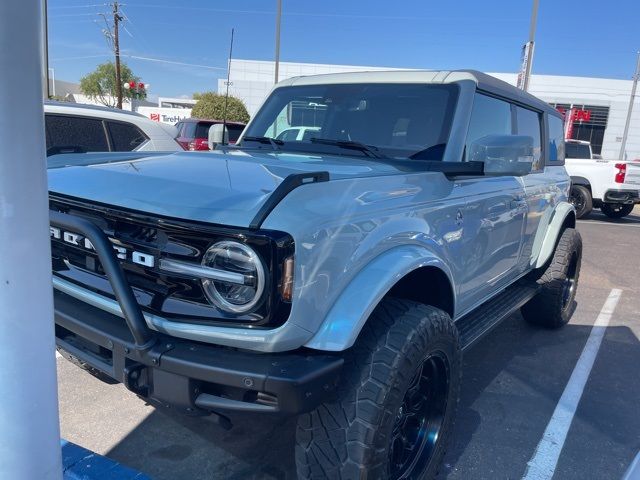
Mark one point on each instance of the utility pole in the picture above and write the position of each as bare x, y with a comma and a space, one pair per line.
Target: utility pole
45, 51
636, 76
226, 97
278, 21
527, 50
116, 48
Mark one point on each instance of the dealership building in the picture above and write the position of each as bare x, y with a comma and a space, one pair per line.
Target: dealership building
601, 104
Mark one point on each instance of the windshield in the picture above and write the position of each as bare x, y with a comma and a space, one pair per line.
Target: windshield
395, 120
577, 150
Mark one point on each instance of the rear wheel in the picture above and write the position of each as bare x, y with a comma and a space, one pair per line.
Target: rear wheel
616, 210
553, 306
580, 197
396, 403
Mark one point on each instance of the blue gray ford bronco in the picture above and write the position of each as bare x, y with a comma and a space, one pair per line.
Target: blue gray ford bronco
336, 274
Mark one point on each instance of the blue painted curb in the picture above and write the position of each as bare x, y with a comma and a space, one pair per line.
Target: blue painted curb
81, 464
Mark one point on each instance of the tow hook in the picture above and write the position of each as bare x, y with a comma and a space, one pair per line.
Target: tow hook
136, 379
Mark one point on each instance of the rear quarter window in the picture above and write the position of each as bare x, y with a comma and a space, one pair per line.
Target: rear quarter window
556, 141
66, 133
125, 137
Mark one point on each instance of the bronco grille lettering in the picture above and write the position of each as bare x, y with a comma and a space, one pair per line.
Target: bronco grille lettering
75, 239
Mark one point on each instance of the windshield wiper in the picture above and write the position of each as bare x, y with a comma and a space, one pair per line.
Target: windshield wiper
368, 150
274, 142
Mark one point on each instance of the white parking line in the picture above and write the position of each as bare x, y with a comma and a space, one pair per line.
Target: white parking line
545, 459
633, 472
611, 224
58, 354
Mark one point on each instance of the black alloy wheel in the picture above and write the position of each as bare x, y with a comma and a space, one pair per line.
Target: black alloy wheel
580, 198
419, 419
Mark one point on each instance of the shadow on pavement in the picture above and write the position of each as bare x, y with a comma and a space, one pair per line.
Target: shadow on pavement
631, 219
511, 382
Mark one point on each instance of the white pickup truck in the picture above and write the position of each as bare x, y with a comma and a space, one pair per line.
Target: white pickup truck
613, 186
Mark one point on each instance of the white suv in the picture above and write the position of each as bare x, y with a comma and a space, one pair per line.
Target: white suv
73, 128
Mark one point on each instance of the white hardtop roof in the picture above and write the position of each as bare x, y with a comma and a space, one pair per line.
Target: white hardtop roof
482, 80
377, 76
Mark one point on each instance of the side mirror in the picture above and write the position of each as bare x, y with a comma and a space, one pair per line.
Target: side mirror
218, 133
504, 154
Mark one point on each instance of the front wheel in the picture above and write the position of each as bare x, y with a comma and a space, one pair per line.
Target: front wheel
616, 210
396, 402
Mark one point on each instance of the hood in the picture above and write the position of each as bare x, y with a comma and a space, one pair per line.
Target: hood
225, 188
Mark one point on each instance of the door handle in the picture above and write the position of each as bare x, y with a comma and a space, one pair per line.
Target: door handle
497, 209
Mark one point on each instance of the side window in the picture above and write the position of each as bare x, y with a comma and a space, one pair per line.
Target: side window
528, 123
67, 133
556, 141
179, 128
490, 116
234, 132
125, 137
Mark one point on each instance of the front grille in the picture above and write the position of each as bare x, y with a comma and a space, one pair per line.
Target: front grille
173, 296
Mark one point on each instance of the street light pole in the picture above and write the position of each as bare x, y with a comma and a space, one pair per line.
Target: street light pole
30, 434
45, 50
527, 56
636, 76
278, 21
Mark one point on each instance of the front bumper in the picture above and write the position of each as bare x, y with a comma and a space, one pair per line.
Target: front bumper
622, 196
190, 376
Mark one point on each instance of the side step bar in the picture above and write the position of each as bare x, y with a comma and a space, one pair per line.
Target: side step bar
475, 325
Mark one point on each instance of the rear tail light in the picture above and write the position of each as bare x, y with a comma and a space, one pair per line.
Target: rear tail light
622, 172
199, 144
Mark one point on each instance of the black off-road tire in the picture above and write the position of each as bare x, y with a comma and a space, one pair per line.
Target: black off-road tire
349, 437
616, 210
580, 197
553, 306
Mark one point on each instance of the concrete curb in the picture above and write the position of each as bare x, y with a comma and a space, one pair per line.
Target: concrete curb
81, 464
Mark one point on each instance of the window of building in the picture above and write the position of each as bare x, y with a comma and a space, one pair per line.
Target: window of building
589, 130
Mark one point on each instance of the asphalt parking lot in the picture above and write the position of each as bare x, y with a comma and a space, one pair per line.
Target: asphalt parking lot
512, 383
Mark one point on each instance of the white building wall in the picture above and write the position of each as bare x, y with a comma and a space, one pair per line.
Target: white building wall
252, 80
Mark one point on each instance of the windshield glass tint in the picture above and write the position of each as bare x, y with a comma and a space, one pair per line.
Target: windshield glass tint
576, 150
399, 120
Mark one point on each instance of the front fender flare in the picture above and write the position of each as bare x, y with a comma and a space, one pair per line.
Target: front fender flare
554, 230
345, 319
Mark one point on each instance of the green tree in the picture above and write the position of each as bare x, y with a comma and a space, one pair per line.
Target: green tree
211, 105
100, 85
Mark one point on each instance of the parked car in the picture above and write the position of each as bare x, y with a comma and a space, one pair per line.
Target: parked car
193, 133
336, 278
297, 133
613, 186
75, 128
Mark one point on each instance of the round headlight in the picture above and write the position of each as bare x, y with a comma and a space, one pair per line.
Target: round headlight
234, 257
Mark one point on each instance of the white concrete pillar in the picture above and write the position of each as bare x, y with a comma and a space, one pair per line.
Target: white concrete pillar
29, 429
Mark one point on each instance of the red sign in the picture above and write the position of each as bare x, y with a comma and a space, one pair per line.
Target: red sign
577, 115
155, 116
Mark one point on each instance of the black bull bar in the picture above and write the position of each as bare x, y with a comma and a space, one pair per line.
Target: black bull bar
193, 377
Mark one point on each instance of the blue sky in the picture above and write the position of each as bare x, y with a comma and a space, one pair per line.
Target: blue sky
583, 38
